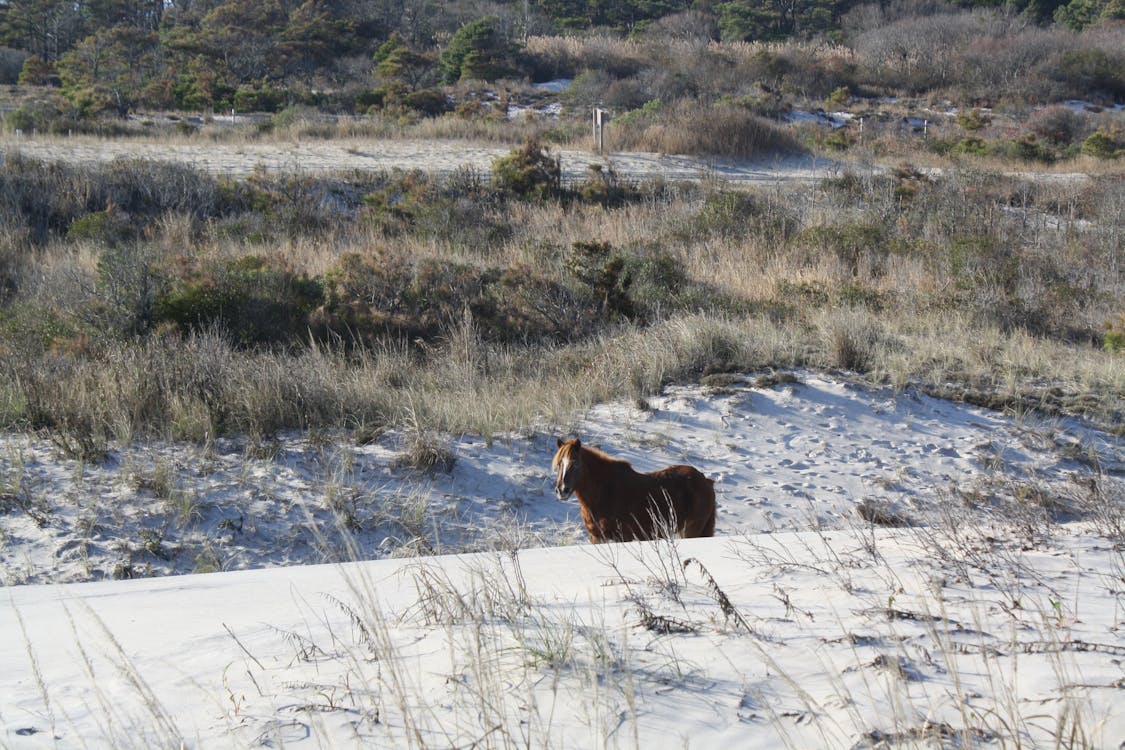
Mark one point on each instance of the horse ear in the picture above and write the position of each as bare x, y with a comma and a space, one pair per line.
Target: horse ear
558, 442
577, 443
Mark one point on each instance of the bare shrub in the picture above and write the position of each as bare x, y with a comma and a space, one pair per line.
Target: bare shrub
691, 128
1011, 61
915, 54
1059, 124
877, 514
851, 339
426, 453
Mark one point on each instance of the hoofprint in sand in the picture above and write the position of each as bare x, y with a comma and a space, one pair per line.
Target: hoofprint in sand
992, 616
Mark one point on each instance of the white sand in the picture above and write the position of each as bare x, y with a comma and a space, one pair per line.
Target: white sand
799, 626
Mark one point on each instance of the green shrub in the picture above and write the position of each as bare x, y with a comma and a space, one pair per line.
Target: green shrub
1092, 70
983, 261
35, 71
1027, 148
379, 296
260, 98
529, 173
737, 213
370, 101
103, 227
42, 116
839, 97
429, 102
33, 328
395, 205
253, 302
376, 280
293, 115
973, 119
602, 272
656, 282
848, 242
601, 186
129, 280
1114, 339
972, 145
1104, 144
479, 50
837, 139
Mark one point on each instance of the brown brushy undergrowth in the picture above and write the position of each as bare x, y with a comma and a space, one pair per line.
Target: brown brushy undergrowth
189, 318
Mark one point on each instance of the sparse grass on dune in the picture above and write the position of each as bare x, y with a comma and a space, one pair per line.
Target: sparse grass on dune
940, 635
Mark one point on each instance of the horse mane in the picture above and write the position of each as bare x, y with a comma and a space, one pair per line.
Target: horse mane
601, 456
596, 453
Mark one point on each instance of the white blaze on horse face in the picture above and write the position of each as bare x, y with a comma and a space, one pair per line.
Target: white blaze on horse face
562, 490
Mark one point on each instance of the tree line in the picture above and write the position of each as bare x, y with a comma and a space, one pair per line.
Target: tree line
112, 56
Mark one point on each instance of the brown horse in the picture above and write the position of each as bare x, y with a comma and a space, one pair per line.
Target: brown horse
619, 504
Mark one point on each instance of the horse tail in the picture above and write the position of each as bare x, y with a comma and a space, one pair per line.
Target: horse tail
703, 507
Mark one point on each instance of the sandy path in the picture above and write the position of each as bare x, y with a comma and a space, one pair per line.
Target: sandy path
430, 155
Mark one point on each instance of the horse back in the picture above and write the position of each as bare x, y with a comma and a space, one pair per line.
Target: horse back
693, 498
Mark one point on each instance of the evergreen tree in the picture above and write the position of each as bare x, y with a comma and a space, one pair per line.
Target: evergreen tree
478, 50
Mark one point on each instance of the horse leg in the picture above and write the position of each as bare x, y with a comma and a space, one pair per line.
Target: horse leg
709, 524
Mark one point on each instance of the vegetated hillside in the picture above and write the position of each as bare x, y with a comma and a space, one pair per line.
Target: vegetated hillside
411, 60
142, 298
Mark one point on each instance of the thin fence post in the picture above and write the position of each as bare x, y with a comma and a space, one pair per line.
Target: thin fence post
598, 119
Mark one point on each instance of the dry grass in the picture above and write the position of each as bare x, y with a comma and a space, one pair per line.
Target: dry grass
985, 282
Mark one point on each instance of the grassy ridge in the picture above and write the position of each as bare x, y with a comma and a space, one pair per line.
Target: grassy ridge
149, 299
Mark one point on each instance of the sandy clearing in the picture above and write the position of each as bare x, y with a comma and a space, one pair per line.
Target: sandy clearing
441, 156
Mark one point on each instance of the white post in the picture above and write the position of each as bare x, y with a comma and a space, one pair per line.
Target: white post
599, 119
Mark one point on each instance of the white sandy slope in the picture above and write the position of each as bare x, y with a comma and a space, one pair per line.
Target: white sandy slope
797, 626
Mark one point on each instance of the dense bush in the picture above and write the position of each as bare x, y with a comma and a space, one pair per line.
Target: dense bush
1114, 339
690, 127
1059, 125
50, 115
1104, 144
427, 101
378, 296
529, 172
1093, 70
479, 50
733, 214
251, 300
260, 98
46, 199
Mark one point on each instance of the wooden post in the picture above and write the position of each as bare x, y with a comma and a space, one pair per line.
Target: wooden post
599, 120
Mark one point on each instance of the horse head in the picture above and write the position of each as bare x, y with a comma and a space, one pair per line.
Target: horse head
566, 464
